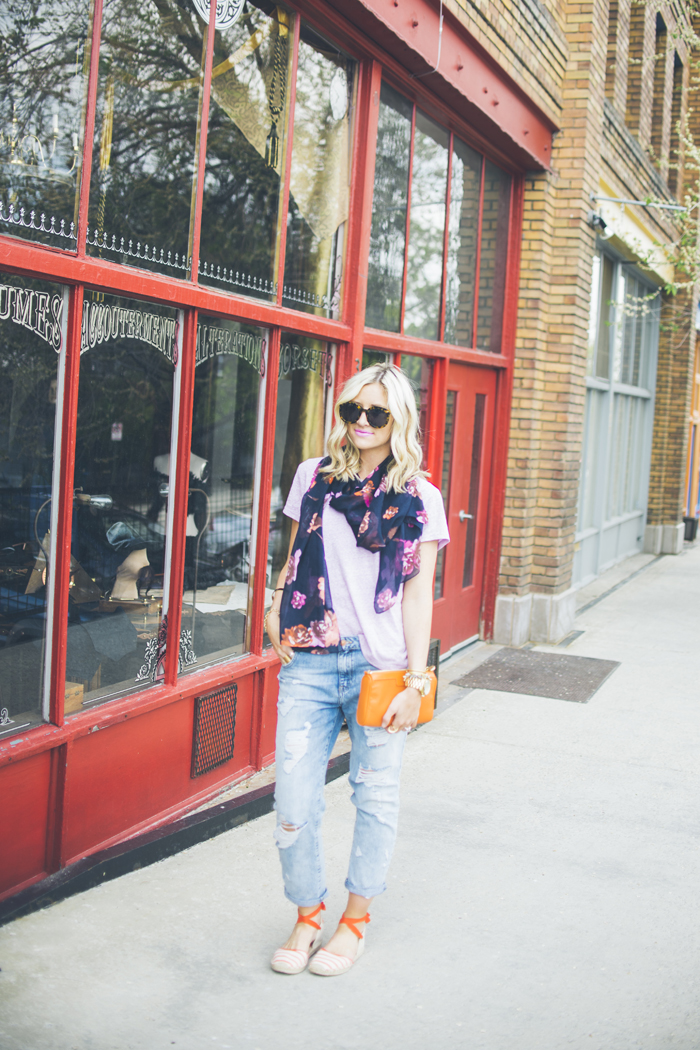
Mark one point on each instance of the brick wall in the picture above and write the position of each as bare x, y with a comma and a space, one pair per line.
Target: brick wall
592, 65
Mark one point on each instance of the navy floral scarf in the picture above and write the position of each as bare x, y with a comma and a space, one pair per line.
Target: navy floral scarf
388, 522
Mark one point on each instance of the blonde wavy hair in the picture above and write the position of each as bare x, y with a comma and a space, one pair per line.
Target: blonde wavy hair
405, 447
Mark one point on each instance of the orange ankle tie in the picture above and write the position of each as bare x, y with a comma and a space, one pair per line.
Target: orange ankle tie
351, 924
309, 919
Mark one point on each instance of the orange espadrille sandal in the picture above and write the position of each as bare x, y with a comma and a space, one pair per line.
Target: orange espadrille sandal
295, 960
328, 964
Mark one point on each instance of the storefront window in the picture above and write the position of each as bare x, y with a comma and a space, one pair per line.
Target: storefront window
420, 371
246, 150
43, 78
304, 406
151, 61
462, 244
493, 256
122, 482
389, 206
319, 195
426, 228
32, 322
230, 360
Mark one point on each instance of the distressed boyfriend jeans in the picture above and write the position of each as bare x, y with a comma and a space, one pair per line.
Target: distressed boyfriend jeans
316, 692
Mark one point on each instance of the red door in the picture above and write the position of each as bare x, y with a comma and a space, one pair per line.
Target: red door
465, 483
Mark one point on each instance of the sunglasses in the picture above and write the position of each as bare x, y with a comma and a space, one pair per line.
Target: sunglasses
351, 412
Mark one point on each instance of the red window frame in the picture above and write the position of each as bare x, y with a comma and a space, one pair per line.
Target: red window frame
82, 272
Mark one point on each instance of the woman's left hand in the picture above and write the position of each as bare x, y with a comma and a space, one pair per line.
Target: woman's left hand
403, 711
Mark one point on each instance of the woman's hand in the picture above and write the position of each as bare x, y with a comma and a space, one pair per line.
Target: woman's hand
403, 711
273, 633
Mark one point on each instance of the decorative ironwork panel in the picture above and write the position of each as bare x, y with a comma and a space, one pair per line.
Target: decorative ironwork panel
214, 729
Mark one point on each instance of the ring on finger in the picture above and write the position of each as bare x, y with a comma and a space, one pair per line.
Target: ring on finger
391, 729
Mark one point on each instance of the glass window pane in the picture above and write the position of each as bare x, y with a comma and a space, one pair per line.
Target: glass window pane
32, 322
148, 103
594, 314
420, 371
122, 478
389, 204
304, 404
246, 149
375, 357
493, 257
319, 193
590, 472
602, 360
474, 487
229, 362
445, 481
461, 245
43, 80
426, 229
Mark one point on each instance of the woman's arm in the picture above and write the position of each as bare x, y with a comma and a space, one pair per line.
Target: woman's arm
417, 613
273, 619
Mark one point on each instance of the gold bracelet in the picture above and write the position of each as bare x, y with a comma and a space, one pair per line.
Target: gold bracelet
419, 680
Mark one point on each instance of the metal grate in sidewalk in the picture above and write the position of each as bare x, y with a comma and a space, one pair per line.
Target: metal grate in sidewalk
553, 675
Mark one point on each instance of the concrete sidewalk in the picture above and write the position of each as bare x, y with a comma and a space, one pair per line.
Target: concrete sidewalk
544, 891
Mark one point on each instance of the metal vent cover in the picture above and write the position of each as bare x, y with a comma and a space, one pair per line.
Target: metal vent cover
214, 729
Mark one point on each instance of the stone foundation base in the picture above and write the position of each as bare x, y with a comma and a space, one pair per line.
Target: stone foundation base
664, 539
533, 617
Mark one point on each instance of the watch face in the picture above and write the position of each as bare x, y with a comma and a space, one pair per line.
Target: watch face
338, 92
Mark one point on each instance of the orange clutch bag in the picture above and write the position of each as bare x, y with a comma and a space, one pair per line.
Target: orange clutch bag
379, 688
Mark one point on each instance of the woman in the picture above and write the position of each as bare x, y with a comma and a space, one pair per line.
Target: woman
355, 594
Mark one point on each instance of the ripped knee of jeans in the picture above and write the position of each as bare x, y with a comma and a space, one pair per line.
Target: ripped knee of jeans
286, 833
375, 777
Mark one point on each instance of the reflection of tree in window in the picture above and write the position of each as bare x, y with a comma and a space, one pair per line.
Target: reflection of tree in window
426, 229
246, 150
388, 235
145, 132
42, 85
320, 176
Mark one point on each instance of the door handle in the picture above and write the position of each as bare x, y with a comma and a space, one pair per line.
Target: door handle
463, 516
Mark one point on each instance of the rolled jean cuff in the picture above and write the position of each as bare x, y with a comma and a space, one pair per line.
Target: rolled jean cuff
363, 891
306, 904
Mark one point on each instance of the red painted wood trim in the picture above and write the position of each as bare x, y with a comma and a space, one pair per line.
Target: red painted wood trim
405, 344
477, 266
408, 220
57, 808
102, 716
360, 222
61, 568
265, 495
203, 132
446, 241
23, 257
436, 436
504, 395
88, 141
289, 146
180, 495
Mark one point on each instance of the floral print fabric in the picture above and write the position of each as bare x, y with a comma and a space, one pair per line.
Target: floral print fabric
390, 523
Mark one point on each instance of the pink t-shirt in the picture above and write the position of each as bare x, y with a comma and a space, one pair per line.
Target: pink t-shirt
353, 572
